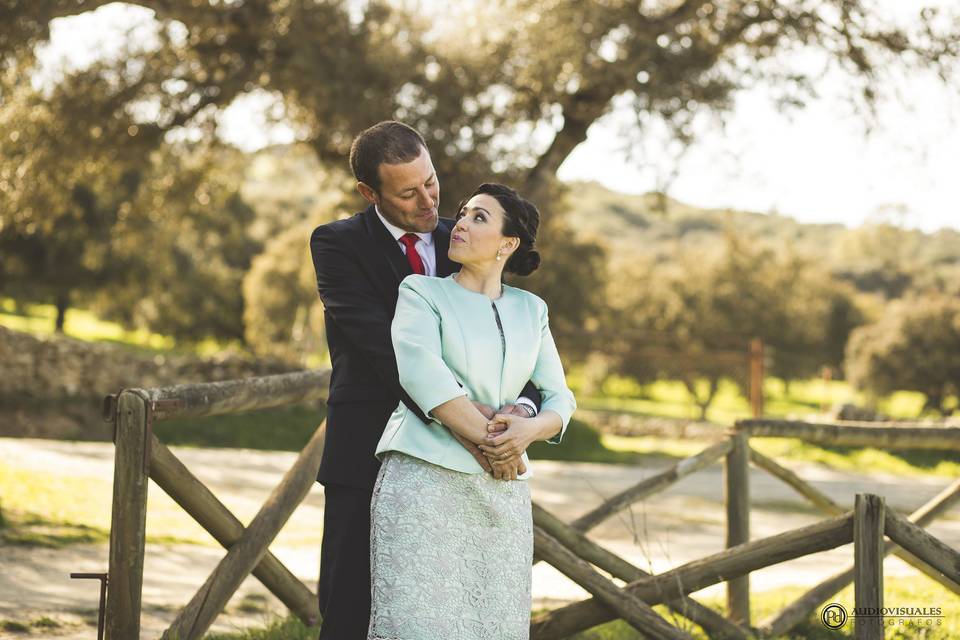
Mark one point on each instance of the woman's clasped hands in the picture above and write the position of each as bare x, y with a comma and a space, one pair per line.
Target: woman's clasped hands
508, 436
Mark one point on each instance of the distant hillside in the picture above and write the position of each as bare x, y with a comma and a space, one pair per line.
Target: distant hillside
287, 186
641, 222
875, 258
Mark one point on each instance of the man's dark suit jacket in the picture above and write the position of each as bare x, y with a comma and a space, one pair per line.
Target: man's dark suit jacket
359, 267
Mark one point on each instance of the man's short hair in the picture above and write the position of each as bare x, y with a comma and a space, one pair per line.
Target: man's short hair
388, 142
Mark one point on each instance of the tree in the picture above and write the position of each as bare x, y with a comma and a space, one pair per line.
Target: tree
505, 91
186, 258
283, 316
63, 204
914, 346
693, 319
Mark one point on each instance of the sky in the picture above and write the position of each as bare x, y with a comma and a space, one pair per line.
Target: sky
818, 164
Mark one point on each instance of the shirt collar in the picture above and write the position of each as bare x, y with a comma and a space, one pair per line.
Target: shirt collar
397, 232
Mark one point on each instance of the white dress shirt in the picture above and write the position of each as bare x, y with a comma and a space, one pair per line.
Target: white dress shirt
424, 248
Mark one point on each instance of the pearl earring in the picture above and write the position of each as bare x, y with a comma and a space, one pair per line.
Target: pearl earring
498, 254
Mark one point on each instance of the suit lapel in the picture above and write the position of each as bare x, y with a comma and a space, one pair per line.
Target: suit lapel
441, 244
393, 264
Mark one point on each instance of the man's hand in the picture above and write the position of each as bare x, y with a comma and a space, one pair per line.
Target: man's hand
474, 450
513, 409
509, 469
488, 411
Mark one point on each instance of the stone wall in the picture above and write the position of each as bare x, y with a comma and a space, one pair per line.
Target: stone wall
52, 386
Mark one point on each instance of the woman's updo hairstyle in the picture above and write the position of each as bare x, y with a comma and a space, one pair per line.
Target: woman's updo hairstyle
521, 220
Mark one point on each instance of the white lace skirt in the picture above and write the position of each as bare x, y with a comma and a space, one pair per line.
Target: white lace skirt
450, 554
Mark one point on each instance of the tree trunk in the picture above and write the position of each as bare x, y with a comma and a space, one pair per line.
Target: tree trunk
691, 386
933, 402
63, 303
703, 405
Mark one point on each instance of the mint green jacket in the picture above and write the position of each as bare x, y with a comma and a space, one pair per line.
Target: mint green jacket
448, 344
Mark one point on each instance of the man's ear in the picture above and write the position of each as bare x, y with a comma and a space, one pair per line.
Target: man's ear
369, 193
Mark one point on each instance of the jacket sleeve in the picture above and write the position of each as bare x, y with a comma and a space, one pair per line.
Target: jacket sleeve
531, 393
416, 340
548, 376
356, 307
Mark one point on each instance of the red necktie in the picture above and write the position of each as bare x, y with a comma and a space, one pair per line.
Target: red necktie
410, 240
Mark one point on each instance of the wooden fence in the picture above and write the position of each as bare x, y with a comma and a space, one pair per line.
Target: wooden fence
139, 456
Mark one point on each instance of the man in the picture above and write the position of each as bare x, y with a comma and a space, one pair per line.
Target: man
360, 262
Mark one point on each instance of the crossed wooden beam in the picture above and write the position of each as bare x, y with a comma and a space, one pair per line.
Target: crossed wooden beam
908, 540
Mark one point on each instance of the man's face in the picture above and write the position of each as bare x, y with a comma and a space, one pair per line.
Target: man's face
409, 194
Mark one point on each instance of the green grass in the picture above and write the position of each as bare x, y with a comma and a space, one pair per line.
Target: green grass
670, 398
39, 320
51, 509
916, 591
13, 626
31, 530
282, 429
45, 622
905, 592
279, 629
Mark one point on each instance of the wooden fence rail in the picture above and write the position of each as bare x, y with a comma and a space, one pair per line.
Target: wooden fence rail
801, 608
140, 456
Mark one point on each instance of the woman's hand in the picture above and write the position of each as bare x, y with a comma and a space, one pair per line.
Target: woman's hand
509, 436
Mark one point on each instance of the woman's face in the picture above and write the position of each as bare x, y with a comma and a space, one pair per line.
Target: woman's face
478, 233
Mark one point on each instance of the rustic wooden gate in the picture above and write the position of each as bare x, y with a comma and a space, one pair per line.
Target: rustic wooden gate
140, 456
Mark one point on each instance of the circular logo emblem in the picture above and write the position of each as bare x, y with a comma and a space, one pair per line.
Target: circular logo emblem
833, 616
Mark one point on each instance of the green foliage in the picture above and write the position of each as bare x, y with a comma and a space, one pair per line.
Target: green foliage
571, 277
694, 318
93, 154
581, 443
914, 346
283, 315
186, 263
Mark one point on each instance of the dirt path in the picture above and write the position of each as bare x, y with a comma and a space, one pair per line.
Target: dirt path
674, 527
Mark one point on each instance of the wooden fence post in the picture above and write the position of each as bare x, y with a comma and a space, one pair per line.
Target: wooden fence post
737, 498
128, 520
868, 552
756, 377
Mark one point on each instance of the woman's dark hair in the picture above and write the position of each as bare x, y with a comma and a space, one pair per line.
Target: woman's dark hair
388, 142
521, 220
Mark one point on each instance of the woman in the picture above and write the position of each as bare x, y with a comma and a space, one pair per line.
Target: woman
451, 546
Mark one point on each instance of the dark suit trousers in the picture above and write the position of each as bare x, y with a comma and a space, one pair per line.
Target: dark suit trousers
344, 587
